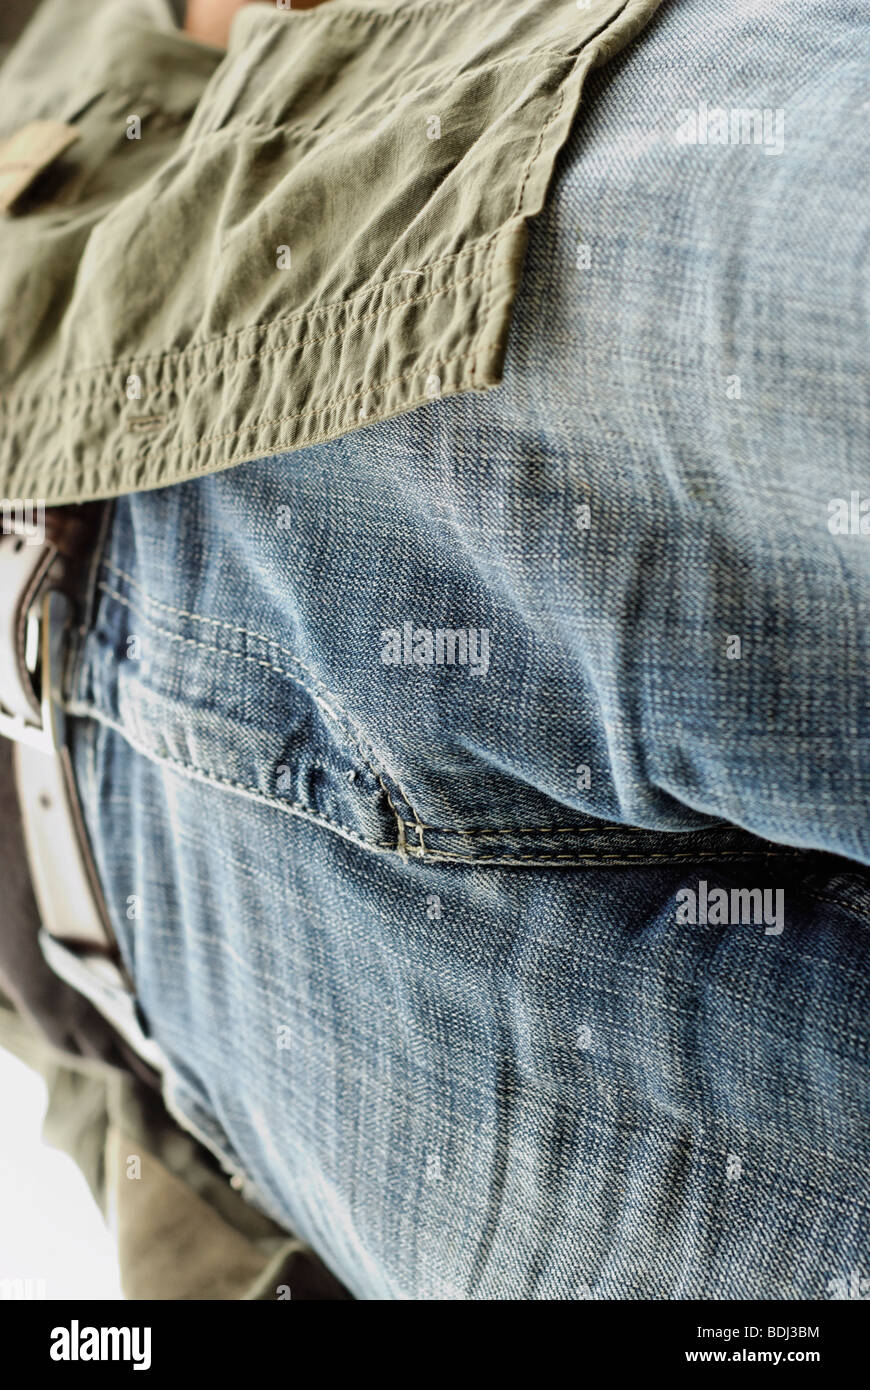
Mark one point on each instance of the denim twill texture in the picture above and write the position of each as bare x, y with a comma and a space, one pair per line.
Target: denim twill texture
408, 933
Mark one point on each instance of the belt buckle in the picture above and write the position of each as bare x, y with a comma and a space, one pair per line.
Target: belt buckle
46, 625
32, 664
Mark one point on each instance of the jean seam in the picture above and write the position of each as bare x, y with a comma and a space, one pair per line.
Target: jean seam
417, 823
369, 758
84, 710
317, 692
543, 859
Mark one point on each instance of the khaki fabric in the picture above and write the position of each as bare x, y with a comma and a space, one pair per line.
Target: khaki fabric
319, 229
182, 1231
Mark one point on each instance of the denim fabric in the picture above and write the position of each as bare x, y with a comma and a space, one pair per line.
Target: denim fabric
541, 973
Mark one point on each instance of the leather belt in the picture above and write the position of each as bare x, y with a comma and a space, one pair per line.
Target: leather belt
39, 581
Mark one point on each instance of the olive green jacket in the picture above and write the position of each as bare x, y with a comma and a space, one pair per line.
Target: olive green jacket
211, 257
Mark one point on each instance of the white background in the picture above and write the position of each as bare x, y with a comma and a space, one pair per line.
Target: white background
50, 1227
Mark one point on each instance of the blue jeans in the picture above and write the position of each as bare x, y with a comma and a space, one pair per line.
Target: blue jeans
481, 800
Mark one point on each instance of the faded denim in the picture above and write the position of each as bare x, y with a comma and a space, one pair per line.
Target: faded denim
417, 938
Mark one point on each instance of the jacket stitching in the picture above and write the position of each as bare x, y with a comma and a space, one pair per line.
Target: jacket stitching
321, 410
544, 128
374, 13
475, 248
61, 469
377, 314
